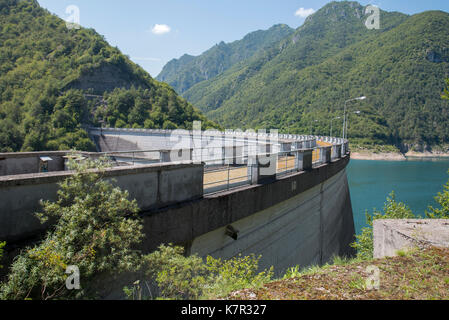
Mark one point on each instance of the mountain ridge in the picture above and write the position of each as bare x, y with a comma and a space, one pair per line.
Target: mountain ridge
308, 75
188, 70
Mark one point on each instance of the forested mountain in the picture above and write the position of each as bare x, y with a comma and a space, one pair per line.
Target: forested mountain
188, 70
300, 83
54, 80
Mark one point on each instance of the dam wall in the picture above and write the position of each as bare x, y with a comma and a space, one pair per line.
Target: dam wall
289, 201
301, 219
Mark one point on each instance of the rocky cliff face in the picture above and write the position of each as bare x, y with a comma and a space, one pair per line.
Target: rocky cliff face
107, 77
436, 56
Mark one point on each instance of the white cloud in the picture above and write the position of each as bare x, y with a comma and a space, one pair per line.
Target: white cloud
160, 29
304, 13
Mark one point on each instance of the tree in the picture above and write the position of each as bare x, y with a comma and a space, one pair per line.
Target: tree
96, 228
443, 200
2, 245
446, 91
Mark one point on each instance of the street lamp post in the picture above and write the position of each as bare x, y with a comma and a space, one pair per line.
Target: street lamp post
332, 124
347, 122
311, 127
345, 125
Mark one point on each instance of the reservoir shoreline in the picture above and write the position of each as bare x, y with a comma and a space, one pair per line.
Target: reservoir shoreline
396, 156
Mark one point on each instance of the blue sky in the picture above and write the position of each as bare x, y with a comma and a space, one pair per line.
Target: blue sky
152, 32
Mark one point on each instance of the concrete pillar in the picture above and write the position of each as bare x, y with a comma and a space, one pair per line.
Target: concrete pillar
267, 167
336, 151
286, 146
264, 148
253, 170
325, 154
223, 148
297, 145
303, 159
262, 168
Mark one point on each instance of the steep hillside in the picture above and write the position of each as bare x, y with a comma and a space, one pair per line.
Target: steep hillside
324, 34
302, 82
188, 70
54, 80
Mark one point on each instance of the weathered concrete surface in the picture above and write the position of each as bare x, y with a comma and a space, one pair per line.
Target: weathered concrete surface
153, 186
393, 235
309, 228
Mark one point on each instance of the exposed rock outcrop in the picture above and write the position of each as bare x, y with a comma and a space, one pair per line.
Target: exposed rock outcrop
107, 77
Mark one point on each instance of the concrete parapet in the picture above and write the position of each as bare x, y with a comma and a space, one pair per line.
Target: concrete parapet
153, 186
28, 162
390, 236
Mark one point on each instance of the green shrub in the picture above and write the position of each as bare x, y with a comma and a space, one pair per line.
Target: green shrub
443, 200
445, 95
95, 229
180, 277
392, 210
2, 245
234, 274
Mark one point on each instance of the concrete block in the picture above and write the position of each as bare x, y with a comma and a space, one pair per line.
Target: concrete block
303, 159
393, 235
325, 154
266, 167
336, 151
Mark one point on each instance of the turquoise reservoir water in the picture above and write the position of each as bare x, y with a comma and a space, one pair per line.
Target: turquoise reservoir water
415, 182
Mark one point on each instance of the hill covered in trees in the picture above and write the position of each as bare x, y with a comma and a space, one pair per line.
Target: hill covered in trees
188, 70
54, 80
301, 83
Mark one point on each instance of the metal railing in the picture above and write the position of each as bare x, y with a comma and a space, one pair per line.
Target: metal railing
224, 172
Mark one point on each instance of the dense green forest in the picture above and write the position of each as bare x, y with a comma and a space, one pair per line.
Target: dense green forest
301, 83
188, 70
55, 80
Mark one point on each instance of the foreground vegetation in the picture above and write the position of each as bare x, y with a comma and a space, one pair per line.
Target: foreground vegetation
417, 274
413, 275
97, 230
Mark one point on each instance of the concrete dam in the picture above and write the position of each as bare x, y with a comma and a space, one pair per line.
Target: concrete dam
285, 197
